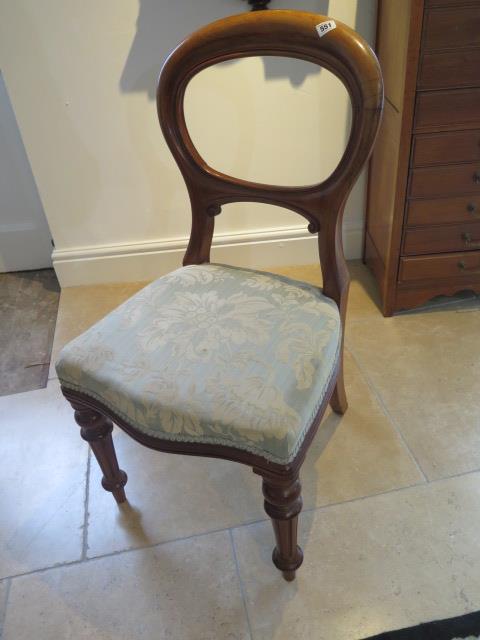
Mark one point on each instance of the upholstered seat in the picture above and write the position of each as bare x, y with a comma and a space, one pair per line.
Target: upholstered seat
213, 354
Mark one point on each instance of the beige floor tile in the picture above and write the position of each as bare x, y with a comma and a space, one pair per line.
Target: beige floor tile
371, 565
42, 481
357, 454
169, 497
310, 273
182, 590
426, 368
353, 456
80, 307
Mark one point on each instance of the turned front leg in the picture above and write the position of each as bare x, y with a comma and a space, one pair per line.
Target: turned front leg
96, 429
283, 503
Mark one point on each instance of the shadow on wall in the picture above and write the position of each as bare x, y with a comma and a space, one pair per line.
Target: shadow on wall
162, 26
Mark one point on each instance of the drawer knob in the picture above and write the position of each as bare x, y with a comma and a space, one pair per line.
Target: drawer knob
476, 177
463, 267
472, 208
469, 241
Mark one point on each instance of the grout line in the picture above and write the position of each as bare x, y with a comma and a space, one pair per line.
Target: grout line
85, 507
4, 604
460, 474
386, 493
193, 536
387, 413
362, 498
240, 581
111, 554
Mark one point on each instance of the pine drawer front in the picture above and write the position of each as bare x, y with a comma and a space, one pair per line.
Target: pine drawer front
452, 27
457, 237
443, 211
445, 180
448, 108
465, 266
449, 69
443, 148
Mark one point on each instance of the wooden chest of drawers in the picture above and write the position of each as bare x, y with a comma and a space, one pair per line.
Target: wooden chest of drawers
423, 215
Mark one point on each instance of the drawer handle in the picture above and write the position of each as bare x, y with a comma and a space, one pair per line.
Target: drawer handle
476, 177
463, 267
467, 239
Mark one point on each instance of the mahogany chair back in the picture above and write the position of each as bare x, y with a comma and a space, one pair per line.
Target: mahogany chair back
291, 34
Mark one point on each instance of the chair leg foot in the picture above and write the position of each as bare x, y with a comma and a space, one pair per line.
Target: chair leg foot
289, 576
283, 503
96, 429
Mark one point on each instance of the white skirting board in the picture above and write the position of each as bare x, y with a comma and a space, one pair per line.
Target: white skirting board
145, 261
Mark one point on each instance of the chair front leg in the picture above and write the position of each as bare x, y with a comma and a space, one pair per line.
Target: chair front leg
283, 503
96, 429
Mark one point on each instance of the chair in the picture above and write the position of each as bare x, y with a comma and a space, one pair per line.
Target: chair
218, 361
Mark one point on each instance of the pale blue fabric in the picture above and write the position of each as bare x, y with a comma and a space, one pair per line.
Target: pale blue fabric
211, 353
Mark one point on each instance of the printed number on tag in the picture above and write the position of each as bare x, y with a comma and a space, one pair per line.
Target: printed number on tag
325, 27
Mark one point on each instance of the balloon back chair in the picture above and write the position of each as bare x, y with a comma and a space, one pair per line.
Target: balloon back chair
219, 361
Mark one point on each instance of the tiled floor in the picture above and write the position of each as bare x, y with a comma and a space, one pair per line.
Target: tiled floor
28, 311
391, 494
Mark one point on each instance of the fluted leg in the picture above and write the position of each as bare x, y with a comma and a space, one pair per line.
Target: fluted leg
283, 503
96, 429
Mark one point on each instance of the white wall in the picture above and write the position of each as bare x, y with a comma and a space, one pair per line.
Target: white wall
81, 76
25, 241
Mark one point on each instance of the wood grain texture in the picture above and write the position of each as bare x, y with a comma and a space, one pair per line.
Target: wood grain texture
283, 503
446, 148
433, 267
386, 203
444, 109
441, 159
449, 180
443, 210
393, 28
441, 239
452, 26
347, 55
449, 69
96, 429
382, 192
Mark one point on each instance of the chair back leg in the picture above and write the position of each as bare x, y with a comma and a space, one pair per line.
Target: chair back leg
283, 503
338, 401
96, 429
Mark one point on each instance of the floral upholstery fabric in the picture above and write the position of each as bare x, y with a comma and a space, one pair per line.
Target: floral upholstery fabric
213, 354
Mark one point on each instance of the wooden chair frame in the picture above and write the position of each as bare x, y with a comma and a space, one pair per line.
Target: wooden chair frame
349, 57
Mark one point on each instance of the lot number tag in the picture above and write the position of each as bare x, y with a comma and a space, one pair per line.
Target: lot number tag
325, 27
